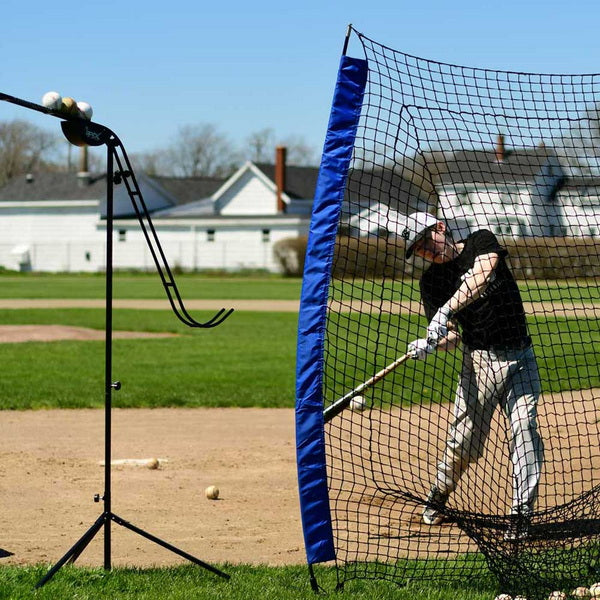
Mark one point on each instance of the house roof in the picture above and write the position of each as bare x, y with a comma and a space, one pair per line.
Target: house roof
483, 167
300, 182
404, 194
582, 184
186, 190
53, 186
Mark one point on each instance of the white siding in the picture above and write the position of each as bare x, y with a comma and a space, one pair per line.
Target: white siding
60, 238
249, 195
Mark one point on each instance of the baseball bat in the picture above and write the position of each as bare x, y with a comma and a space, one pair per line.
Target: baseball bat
341, 403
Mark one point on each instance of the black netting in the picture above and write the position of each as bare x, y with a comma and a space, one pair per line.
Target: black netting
518, 155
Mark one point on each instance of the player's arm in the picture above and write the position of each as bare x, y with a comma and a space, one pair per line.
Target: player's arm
474, 283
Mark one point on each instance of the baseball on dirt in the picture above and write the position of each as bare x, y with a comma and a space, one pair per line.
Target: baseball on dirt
595, 590
358, 403
212, 492
52, 100
153, 463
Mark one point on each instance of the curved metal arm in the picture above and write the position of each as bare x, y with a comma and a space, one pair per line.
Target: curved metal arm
126, 175
81, 132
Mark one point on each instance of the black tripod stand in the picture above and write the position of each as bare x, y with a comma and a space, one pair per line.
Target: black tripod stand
80, 132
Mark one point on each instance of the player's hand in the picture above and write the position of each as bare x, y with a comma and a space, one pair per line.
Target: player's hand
420, 349
438, 326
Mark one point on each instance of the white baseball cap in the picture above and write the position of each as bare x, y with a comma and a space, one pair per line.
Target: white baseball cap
413, 227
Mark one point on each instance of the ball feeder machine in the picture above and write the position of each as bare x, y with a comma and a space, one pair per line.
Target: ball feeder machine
80, 132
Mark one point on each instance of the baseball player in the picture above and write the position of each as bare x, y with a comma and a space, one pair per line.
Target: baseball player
470, 297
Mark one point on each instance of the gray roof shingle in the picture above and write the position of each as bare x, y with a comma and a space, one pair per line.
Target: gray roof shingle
53, 186
300, 182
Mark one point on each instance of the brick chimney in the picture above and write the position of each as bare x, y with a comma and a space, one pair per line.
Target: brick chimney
83, 174
500, 151
280, 158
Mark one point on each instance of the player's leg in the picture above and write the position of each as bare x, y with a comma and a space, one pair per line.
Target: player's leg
474, 405
526, 448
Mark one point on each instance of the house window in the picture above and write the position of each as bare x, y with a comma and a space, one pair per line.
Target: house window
210, 235
464, 198
503, 229
122, 235
266, 235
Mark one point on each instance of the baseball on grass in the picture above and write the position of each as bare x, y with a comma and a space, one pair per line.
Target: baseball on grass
85, 110
581, 592
52, 100
358, 403
503, 597
520, 598
212, 492
557, 596
595, 590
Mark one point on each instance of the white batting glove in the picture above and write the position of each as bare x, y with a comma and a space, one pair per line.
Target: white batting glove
438, 326
420, 349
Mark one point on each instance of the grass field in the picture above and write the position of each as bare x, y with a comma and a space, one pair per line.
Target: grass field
205, 368
200, 368
184, 583
193, 286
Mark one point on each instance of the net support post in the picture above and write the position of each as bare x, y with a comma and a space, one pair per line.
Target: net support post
330, 189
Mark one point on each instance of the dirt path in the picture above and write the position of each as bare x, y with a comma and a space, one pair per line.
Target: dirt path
50, 470
564, 309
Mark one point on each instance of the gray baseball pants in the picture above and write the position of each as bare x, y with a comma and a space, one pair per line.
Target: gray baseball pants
488, 378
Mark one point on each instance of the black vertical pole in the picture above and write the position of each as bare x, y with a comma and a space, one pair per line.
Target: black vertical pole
108, 355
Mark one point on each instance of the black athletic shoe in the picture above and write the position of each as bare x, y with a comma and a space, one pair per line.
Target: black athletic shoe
432, 514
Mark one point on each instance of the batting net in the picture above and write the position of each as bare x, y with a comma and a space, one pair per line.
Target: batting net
513, 153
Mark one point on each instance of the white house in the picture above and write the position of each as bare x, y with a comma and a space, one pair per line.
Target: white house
55, 221
579, 200
521, 193
508, 192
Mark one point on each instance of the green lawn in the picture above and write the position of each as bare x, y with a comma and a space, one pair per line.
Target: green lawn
147, 285
246, 583
196, 286
250, 360
247, 361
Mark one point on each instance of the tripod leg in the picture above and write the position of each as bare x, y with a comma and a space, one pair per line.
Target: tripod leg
77, 548
168, 546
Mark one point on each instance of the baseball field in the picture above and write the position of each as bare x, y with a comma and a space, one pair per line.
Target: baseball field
215, 407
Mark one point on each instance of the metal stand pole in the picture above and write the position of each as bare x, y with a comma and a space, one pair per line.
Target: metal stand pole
107, 516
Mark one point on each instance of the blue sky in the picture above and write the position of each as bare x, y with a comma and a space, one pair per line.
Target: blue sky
149, 67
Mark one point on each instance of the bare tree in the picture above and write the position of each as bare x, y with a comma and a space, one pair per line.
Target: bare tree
260, 148
153, 162
261, 145
200, 151
24, 147
299, 152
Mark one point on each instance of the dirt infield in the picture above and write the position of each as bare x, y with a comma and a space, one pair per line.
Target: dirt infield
12, 334
50, 470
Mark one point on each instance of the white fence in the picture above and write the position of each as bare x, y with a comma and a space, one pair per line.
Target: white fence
135, 254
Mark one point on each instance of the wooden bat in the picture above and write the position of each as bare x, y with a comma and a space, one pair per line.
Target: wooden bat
341, 403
